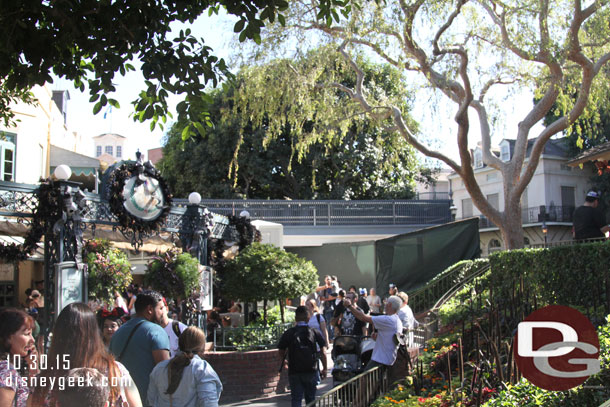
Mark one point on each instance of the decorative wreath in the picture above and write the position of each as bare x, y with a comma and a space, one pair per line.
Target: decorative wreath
47, 212
128, 222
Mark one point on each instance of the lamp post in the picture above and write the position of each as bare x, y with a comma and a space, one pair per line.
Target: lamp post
194, 233
63, 243
544, 230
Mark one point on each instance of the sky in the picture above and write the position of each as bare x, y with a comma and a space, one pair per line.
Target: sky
217, 32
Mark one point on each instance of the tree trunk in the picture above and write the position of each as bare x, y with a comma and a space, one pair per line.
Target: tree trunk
265, 312
282, 310
511, 228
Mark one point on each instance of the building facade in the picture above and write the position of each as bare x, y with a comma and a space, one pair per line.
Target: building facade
25, 148
109, 148
547, 203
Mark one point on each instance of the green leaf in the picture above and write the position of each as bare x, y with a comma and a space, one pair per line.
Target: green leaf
149, 112
186, 132
114, 103
199, 128
97, 108
281, 19
239, 26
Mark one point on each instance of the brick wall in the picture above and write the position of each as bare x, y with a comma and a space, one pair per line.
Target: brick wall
249, 375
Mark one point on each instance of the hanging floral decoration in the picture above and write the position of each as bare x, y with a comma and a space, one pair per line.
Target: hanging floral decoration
140, 199
47, 212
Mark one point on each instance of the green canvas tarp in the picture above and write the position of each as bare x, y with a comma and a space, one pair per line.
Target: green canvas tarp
408, 260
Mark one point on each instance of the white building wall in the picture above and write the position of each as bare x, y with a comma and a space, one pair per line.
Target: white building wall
38, 126
544, 188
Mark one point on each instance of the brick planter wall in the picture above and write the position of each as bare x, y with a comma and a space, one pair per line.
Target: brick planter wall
249, 375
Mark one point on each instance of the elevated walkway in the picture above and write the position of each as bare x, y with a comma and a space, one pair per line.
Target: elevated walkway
316, 222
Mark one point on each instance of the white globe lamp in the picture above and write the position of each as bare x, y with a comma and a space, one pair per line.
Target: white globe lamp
62, 172
194, 198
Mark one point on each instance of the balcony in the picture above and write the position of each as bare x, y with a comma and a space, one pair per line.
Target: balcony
537, 214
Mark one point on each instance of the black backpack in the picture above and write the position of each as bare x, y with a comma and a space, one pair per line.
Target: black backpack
302, 354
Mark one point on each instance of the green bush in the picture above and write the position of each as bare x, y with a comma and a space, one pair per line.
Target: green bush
263, 272
173, 274
109, 270
574, 276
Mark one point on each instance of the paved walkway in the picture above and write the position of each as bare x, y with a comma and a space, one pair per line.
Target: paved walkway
283, 400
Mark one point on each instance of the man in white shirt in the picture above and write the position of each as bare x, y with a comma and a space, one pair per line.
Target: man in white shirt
387, 326
173, 330
405, 313
374, 301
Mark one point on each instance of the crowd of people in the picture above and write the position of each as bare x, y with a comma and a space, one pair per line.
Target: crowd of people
142, 358
331, 311
147, 358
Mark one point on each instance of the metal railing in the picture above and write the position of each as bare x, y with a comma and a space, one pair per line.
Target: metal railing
425, 297
566, 243
359, 391
248, 337
536, 214
335, 213
432, 195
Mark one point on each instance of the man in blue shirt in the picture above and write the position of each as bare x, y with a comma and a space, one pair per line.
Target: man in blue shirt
141, 343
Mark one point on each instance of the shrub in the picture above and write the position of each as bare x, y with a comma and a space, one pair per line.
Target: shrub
109, 270
173, 274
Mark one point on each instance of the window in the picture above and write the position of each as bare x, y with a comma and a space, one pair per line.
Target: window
108, 150
467, 208
494, 200
526, 241
492, 176
119, 151
494, 246
98, 151
478, 159
7, 157
568, 202
505, 152
564, 167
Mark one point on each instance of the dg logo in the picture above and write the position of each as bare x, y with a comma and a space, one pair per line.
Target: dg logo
557, 348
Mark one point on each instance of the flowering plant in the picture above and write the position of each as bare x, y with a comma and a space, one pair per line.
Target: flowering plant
109, 270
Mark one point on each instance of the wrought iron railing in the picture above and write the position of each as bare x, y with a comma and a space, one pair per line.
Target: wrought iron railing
335, 213
424, 298
359, 391
432, 195
536, 214
249, 337
18, 201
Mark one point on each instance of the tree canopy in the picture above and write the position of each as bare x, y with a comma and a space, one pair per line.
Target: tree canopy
460, 51
263, 272
91, 41
361, 161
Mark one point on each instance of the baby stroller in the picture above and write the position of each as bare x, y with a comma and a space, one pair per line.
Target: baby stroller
350, 355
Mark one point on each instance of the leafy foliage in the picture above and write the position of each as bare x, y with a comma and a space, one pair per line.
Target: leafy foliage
8, 97
173, 274
564, 275
109, 270
90, 42
265, 272
260, 157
